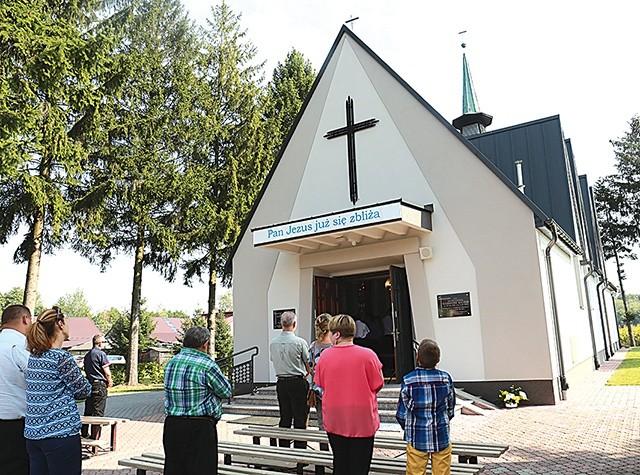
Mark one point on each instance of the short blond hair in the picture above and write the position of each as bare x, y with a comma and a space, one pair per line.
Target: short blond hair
344, 324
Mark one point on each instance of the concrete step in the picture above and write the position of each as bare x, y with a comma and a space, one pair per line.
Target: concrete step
264, 402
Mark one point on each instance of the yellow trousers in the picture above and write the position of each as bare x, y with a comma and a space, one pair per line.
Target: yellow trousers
417, 461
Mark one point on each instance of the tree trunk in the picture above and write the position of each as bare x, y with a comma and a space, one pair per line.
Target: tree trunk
134, 333
33, 266
624, 301
211, 304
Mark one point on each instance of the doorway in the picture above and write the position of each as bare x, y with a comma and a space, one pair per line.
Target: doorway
380, 302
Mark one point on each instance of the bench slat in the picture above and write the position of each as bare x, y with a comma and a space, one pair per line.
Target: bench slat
380, 441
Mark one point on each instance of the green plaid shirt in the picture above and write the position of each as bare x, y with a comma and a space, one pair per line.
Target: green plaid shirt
194, 385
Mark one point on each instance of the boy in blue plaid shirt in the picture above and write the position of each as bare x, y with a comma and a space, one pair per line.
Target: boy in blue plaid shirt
426, 405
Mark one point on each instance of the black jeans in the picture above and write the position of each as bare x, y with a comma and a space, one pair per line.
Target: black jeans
351, 455
292, 400
95, 405
190, 446
13, 448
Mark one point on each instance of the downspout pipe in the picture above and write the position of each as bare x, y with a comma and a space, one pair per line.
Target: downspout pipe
602, 323
592, 271
606, 315
554, 307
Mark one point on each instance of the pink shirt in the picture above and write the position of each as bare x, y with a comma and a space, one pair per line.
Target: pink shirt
351, 378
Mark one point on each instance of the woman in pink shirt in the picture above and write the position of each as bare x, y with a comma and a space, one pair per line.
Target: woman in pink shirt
350, 377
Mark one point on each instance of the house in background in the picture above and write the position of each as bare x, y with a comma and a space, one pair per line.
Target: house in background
81, 333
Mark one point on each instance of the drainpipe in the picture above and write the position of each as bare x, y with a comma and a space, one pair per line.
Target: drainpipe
592, 271
604, 330
554, 308
606, 314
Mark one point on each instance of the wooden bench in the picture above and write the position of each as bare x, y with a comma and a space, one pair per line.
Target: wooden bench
102, 421
155, 463
276, 456
467, 452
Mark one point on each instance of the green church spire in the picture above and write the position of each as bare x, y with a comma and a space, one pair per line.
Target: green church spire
469, 99
472, 121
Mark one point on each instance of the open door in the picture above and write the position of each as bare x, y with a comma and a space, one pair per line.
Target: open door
326, 295
402, 321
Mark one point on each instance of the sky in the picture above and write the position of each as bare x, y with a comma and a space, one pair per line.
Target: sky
528, 60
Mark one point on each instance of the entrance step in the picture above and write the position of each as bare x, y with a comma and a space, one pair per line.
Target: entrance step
264, 402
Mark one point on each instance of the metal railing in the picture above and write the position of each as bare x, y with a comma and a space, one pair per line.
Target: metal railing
241, 374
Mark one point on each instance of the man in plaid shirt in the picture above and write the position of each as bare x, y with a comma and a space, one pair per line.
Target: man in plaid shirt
193, 388
425, 407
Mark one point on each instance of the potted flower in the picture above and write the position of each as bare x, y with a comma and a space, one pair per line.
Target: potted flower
511, 397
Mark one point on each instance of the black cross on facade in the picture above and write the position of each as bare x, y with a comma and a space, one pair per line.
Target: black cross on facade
350, 131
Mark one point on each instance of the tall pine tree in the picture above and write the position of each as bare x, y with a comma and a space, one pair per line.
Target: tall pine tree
229, 160
618, 198
133, 185
52, 59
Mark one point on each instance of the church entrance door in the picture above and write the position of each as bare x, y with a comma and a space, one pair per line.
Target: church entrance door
380, 301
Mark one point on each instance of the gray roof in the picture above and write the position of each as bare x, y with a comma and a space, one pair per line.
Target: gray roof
547, 166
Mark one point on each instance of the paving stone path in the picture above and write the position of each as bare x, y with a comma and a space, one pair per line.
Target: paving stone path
596, 431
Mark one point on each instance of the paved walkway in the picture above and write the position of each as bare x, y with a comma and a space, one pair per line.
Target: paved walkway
596, 431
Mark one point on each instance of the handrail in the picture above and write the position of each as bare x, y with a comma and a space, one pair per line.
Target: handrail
221, 361
240, 375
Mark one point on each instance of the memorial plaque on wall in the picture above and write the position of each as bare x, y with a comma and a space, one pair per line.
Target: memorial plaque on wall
276, 317
454, 305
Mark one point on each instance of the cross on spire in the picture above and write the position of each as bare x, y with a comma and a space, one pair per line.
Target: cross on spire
350, 131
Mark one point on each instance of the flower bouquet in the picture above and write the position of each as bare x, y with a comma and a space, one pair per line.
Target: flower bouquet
511, 397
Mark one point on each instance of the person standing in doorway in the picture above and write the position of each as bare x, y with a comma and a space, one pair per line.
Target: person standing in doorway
350, 376
16, 320
96, 367
194, 388
54, 383
290, 357
426, 405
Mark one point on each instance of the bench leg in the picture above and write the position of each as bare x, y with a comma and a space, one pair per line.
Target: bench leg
319, 470
256, 440
141, 471
273, 442
324, 446
114, 433
227, 459
468, 459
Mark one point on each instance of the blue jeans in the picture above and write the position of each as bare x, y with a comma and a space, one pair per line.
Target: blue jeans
55, 456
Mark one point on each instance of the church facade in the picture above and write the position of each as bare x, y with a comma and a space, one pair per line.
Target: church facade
379, 208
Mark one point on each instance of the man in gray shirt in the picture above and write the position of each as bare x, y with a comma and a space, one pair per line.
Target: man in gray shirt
290, 357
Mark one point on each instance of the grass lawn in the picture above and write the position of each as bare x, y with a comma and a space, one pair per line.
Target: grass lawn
628, 373
123, 388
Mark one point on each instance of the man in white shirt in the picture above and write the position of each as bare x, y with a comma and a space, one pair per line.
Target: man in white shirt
16, 320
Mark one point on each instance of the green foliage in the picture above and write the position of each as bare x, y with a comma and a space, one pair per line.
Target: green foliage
151, 373
229, 161
225, 302
289, 86
118, 335
118, 375
224, 339
105, 319
624, 335
53, 57
628, 372
75, 304
633, 309
15, 296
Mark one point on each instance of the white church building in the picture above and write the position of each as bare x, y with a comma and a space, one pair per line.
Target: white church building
484, 241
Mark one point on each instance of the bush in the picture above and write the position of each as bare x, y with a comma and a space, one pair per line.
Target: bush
624, 335
117, 374
150, 373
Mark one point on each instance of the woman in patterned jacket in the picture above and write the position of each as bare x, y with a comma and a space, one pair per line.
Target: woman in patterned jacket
54, 382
